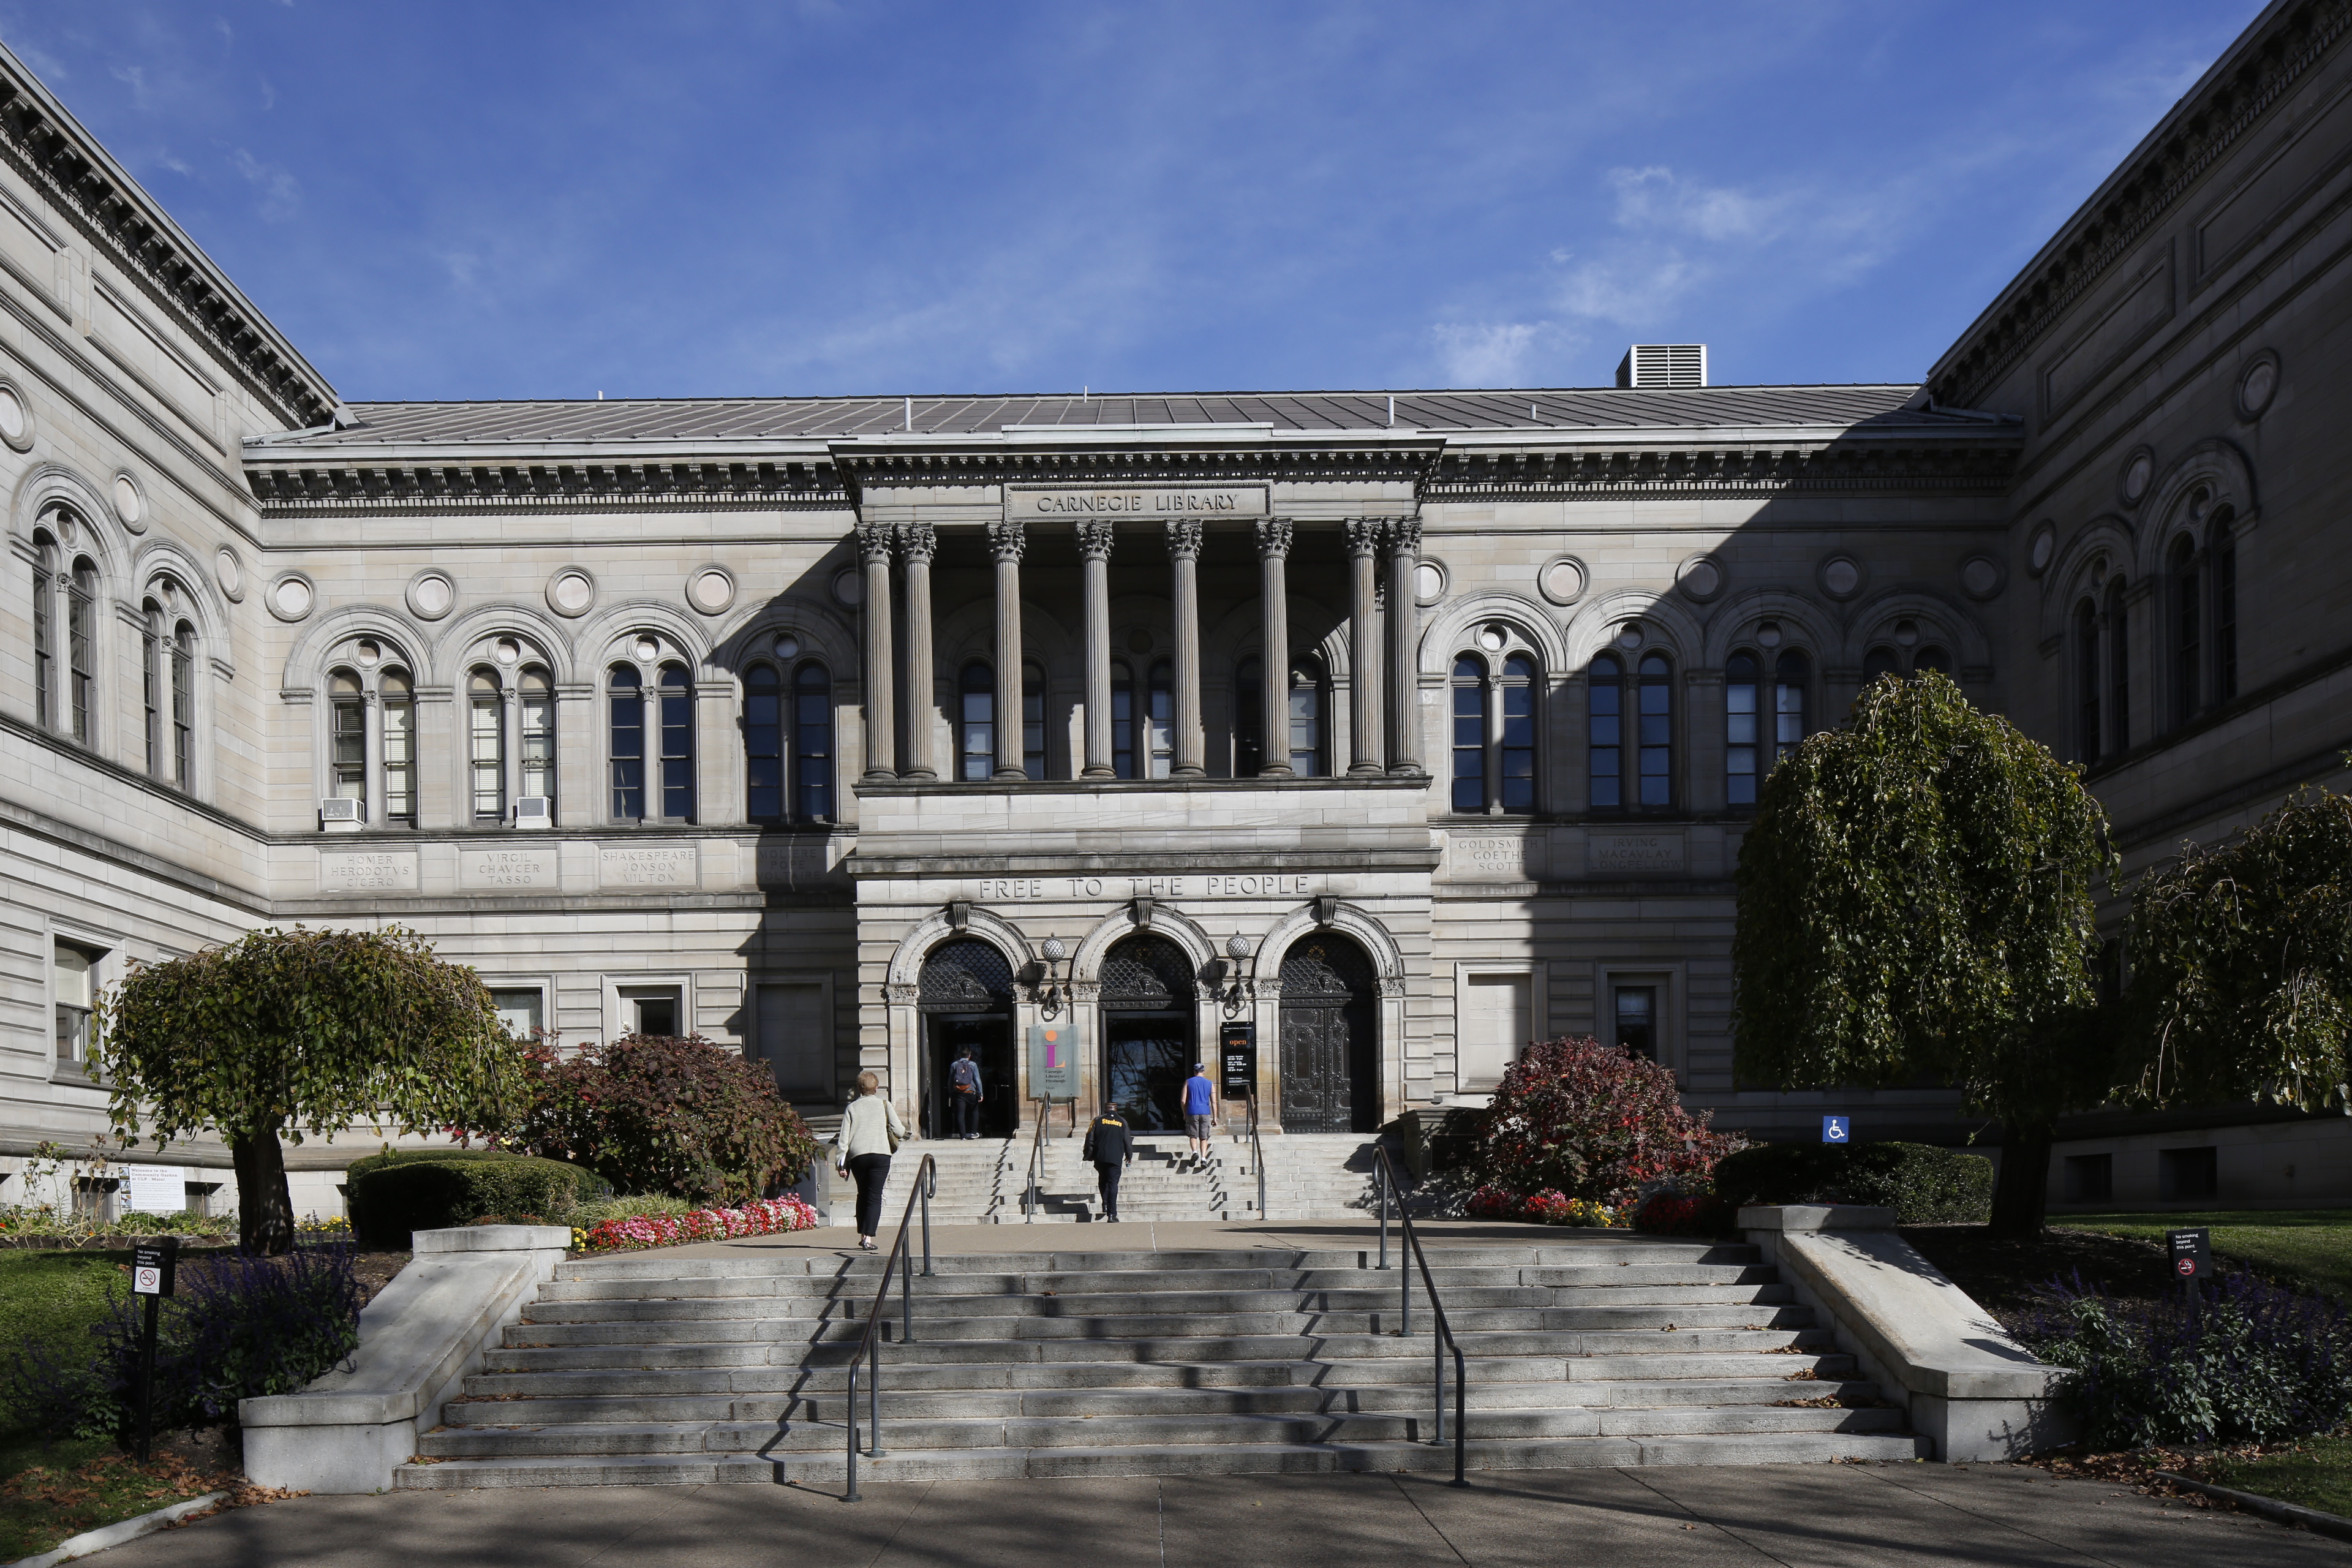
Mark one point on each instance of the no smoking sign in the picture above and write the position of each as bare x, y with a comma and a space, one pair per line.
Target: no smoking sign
147, 1281
2190, 1252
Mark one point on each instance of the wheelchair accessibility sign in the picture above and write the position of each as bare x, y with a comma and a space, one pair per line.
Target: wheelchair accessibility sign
1834, 1129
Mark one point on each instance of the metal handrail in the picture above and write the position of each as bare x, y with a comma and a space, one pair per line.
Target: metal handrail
1257, 1153
926, 1181
1032, 1197
1384, 1176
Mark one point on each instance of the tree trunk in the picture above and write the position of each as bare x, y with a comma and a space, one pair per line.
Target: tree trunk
2022, 1194
264, 1208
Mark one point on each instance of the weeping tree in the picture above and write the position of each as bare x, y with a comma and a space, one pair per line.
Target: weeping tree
288, 1033
1916, 900
2242, 966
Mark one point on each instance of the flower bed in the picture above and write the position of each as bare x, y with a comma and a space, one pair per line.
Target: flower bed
1551, 1207
763, 1217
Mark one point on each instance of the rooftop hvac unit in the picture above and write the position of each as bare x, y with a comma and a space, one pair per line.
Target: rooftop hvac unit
339, 808
1663, 364
534, 811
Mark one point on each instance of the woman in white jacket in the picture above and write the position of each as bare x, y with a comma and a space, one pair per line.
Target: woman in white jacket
870, 1129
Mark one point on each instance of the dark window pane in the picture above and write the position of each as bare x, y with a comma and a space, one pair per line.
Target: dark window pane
1249, 719
763, 744
976, 724
678, 744
813, 741
1032, 722
628, 744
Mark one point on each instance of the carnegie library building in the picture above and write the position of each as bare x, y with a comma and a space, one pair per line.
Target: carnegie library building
1346, 741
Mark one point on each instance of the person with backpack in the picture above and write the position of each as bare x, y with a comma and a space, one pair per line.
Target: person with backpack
964, 1094
1200, 1110
870, 1134
1109, 1145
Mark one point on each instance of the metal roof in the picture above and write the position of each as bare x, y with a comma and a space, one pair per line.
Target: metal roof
787, 418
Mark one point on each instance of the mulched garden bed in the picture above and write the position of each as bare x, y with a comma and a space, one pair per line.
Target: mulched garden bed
2003, 1272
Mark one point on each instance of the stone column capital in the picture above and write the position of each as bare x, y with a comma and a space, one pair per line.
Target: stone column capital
919, 542
874, 540
1273, 537
1404, 536
1184, 538
1095, 536
1006, 539
1363, 534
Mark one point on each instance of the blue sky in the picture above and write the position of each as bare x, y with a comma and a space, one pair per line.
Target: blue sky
679, 199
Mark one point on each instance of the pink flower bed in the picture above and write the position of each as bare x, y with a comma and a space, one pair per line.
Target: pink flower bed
766, 1216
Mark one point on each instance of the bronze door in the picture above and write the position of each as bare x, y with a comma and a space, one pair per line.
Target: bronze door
1330, 1052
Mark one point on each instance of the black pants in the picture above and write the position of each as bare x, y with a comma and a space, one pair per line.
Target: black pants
1107, 1176
871, 1170
967, 1112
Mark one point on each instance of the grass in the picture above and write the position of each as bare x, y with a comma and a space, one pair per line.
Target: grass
2316, 1473
2307, 1248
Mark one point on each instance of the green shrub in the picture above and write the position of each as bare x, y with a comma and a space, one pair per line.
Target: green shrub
588, 1216
1921, 1182
392, 1157
390, 1202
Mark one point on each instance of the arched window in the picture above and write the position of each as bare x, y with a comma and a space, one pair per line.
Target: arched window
627, 742
183, 653
1249, 719
1657, 730
2118, 652
1880, 661
2088, 687
2188, 644
81, 648
1160, 718
1518, 734
1469, 733
1122, 721
1931, 658
44, 629
1605, 733
763, 744
154, 682
812, 739
397, 698
486, 745
1741, 689
1305, 720
976, 722
676, 745
535, 735
2225, 607
347, 736
1792, 673
1032, 721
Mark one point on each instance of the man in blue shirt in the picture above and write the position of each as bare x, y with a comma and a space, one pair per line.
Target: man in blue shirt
1200, 1105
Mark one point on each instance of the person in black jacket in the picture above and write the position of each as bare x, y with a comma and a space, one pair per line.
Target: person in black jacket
1108, 1147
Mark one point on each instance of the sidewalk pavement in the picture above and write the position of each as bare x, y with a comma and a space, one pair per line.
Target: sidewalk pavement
1168, 1235
1838, 1516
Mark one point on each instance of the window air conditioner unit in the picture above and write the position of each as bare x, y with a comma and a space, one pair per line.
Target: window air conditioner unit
339, 808
534, 811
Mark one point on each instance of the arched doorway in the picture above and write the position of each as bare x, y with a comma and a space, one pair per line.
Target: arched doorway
966, 999
1150, 1038
1330, 1044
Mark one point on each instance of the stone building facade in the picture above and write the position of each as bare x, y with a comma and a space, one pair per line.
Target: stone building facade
1398, 728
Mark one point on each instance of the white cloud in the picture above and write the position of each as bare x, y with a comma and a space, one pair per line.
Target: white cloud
281, 193
1486, 353
134, 77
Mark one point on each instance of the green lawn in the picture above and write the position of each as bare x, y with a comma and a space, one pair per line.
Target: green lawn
2316, 1474
2311, 1247
51, 1299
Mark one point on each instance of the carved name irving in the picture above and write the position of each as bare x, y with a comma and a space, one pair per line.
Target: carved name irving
1635, 852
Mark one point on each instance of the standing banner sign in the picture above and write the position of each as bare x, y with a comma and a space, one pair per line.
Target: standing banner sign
153, 1268
1237, 1060
1053, 1061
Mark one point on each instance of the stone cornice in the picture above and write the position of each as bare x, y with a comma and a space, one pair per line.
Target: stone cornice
1979, 466
331, 489
1324, 458
65, 163
2272, 55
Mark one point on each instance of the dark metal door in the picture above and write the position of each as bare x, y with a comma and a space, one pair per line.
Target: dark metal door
1329, 1045
1149, 1030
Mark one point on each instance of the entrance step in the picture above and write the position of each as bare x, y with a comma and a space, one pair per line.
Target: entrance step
1599, 1350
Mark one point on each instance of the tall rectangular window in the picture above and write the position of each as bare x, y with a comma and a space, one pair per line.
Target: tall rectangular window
485, 746
1496, 1023
1518, 733
1249, 719
976, 723
347, 735
813, 741
1739, 737
1469, 734
794, 1038
676, 745
1793, 673
1305, 723
1636, 1020
1122, 721
44, 633
626, 743
535, 720
183, 707
150, 689
81, 646
2225, 610
521, 1009
73, 970
398, 703
1657, 732
1032, 722
763, 744
1605, 749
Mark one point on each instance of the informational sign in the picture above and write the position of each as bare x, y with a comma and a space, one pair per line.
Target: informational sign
153, 1266
1054, 1060
1237, 1060
1836, 1130
2191, 1253
154, 1189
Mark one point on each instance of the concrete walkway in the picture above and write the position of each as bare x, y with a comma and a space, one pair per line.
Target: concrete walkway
1157, 1235
1862, 1515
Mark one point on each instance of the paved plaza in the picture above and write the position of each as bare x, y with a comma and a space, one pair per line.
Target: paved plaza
1805, 1514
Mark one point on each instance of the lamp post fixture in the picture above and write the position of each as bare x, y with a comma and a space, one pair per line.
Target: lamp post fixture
1050, 1000
1239, 994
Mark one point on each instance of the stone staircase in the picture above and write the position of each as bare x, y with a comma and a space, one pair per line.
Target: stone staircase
1598, 1350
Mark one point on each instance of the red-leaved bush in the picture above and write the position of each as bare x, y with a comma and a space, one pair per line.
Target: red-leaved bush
1672, 1214
653, 1113
1578, 1117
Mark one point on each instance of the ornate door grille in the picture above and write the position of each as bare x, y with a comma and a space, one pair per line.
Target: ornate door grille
1330, 1075
967, 975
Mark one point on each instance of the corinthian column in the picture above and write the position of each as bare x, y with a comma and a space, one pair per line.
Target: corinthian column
916, 544
1184, 596
1364, 649
1273, 639
874, 541
1005, 542
1404, 631
1094, 556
